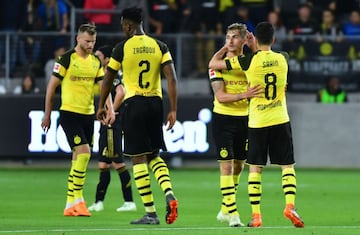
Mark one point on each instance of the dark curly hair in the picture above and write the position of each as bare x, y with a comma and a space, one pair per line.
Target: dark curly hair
133, 14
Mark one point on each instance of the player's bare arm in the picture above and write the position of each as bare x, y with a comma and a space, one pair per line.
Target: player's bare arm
54, 82
119, 96
104, 93
114, 104
169, 72
110, 112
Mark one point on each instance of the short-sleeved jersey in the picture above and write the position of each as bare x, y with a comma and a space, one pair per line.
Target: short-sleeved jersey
268, 69
234, 82
78, 77
140, 58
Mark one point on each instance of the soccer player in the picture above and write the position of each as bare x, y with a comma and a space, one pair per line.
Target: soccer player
141, 59
110, 142
77, 71
229, 123
269, 122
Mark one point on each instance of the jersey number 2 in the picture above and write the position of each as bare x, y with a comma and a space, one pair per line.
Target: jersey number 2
270, 82
146, 69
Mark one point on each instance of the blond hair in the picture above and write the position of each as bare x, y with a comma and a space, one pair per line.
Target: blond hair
239, 27
89, 28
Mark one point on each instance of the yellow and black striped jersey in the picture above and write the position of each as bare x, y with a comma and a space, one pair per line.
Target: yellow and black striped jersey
78, 77
234, 82
268, 69
140, 58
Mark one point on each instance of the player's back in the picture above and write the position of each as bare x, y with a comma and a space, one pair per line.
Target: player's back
141, 58
268, 69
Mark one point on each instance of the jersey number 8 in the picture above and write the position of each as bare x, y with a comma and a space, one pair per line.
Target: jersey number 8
270, 82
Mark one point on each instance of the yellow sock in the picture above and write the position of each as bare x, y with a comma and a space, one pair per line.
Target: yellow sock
79, 175
70, 192
228, 192
236, 179
289, 185
142, 182
254, 190
161, 173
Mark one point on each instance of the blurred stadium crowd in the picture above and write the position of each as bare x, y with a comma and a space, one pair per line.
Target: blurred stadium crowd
34, 32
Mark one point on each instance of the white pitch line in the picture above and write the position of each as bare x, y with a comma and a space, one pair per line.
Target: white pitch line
169, 229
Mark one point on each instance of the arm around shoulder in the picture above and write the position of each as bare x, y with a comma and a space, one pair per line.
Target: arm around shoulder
217, 62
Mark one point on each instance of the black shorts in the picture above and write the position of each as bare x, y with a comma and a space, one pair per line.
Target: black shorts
142, 126
230, 136
78, 128
110, 142
274, 141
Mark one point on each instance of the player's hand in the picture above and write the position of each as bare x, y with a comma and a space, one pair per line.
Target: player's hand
224, 49
255, 91
250, 41
101, 115
171, 119
110, 117
45, 124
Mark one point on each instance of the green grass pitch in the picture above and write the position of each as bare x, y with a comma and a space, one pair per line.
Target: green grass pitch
32, 202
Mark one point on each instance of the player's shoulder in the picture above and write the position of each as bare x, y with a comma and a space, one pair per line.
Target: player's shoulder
245, 60
162, 45
285, 54
282, 53
120, 44
118, 50
96, 57
65, 58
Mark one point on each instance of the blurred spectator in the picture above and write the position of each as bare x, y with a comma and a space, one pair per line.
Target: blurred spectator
258, 9
332, 93
49, 65
184, 20
280, 30
29, 45
318, 6
341, 8
12, 18
344, 7
227, 13
287, 9
101, 20
204, 23
28, 85
303, 25
78, 4
352, 26
54, 16
242, 16
329, 29
164, 16
122, 4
